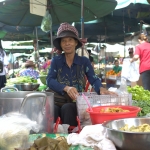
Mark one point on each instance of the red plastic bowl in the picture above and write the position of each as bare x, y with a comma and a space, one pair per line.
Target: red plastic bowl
98, 117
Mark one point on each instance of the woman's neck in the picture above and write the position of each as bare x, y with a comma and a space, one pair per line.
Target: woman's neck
69, 59
143, 42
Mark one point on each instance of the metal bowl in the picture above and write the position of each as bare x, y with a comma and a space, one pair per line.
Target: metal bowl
27, 86
128, 140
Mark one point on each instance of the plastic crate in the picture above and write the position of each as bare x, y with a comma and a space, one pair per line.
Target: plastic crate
99, 100
82, 106
112, 77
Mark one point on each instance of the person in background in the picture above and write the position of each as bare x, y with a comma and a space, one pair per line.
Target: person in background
16, 64
117, 68
4, 60
47, 63
67, 73
91, 58
142, 52
131, 52
30, 70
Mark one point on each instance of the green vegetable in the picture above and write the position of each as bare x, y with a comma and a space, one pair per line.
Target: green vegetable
43, 73
141, 98
42, 88
23, 79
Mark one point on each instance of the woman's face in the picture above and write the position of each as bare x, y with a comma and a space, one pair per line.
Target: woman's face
116, 63
68, 44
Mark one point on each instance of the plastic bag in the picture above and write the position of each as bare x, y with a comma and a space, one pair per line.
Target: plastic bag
46, 24
130, 70
123, 87
15, 129
124, 97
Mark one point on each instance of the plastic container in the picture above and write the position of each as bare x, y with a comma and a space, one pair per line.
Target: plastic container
82, 106
98, 100
98, 117
112, 77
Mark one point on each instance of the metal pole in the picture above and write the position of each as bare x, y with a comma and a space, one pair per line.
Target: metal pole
37, 47
37, 44
124, 31
105, 54
51, 40
82, 23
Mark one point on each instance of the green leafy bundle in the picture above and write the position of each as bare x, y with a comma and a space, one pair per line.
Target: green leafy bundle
141, 98
19, 80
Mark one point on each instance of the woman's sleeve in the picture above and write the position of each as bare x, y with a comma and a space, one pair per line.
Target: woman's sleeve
92, 78
52, 78
137, 51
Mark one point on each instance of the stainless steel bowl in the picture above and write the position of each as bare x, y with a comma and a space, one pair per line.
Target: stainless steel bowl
27, 86
128, 140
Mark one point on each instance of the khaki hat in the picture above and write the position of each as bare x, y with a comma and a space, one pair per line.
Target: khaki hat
29, 63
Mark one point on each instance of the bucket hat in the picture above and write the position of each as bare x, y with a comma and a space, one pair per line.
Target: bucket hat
66, 30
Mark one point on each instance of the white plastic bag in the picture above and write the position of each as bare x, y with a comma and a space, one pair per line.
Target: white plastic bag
130, 70
15, 129
46, 24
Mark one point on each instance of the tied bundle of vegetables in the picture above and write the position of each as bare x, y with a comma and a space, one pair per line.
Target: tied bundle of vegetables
141, 98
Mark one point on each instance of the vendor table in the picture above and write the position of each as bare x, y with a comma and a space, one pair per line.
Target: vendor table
33, 137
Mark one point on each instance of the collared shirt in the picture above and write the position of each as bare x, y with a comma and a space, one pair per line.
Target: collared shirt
30, 72
60, 75
117, 69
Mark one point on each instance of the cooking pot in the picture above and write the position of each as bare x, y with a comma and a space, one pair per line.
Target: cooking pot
37, 106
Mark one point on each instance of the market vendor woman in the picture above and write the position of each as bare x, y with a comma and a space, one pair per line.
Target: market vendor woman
67, 72
117, 68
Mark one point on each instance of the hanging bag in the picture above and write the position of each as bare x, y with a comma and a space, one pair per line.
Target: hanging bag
46, 24
130, 70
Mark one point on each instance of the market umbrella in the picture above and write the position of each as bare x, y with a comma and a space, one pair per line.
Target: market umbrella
17, 12
117, 25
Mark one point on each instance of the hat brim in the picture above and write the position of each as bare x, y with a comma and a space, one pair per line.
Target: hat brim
29, 64
56, 41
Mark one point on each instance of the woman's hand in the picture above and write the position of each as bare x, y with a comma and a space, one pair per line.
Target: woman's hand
104, 91
72, 92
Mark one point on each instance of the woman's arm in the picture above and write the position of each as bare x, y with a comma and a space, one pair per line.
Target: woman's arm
135, 58
52, 78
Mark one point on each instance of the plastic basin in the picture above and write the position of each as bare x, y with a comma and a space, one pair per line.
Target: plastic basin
98, 117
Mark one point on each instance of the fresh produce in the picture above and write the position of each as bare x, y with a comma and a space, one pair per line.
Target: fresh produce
42, 88
112, 72
113, 110
141, 98
43, 73
23, 79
